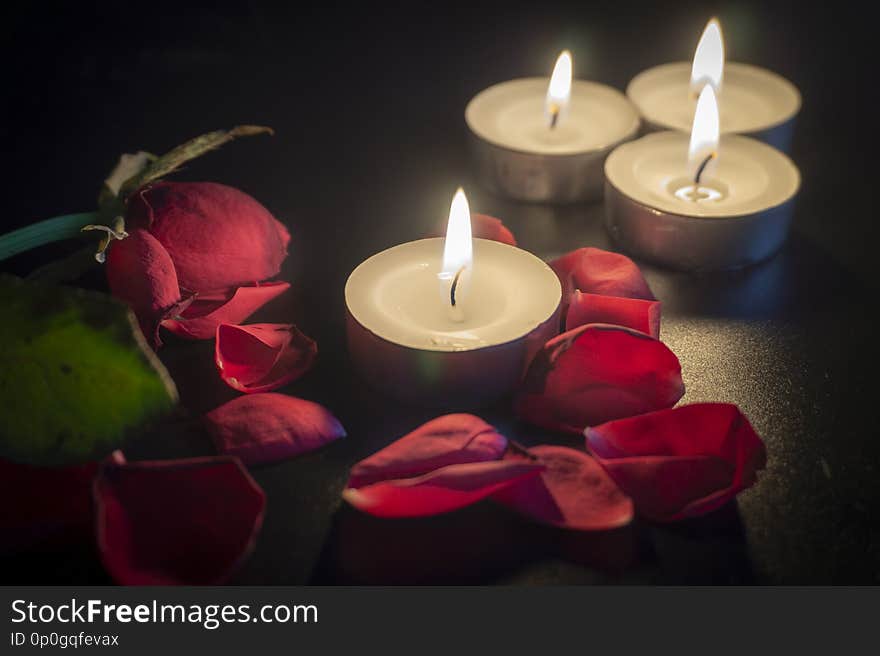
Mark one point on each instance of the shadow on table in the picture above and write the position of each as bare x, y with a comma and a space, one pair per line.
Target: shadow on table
486, 544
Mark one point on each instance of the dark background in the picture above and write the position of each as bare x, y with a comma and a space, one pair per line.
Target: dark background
367, 101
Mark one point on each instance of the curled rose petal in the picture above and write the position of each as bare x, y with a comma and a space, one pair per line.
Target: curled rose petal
189, 522
447, 440
209, 310
595, 271
45, 504
141, 273
681, 462
217, 236
263, 428
261, 357
484, 226
596, 373
572, 491
439, 491
634, 313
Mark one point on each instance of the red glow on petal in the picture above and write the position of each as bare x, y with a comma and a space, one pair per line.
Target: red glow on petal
634, 313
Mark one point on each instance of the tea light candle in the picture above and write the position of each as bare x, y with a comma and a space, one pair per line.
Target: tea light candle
711, 203
538, 141
753, 101
450, 322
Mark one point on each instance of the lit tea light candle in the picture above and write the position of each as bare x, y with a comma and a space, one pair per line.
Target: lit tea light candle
708, 202
450, 322
539, 140
753, 101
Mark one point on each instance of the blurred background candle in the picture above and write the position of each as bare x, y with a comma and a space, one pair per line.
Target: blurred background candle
450, 322
752, 101
544, 140
701, 202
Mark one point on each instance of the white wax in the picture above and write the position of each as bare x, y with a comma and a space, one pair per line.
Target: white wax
752, 99
749, 176
396, 295
511, 115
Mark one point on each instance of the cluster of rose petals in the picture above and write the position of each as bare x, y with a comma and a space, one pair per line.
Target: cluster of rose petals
262, 357
681, 462
445, 464
189, 522
264, 428
189, 240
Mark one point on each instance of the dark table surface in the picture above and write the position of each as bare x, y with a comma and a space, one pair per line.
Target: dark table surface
368, 106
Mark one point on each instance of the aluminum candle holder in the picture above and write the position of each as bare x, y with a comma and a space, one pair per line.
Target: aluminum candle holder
516, 153
743, 218
404, 343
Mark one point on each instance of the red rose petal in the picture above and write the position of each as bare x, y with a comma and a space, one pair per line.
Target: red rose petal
261, 357
484, 226
595, 271
682, 462
597, 373
141, 273
447, 440
263, 428
634, 313
439, 491
217, 236
572, 491
189, 522
209, 310
45, 504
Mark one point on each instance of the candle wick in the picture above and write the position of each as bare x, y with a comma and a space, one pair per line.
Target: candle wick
702, 167
455, 284
554, 115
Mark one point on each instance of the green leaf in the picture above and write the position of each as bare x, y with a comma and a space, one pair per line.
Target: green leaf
76, 375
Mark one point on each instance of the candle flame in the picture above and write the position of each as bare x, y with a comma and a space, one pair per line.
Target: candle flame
458, 250
559, 89
705, 132
708, 65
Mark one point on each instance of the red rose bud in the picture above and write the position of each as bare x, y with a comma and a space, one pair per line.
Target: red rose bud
195, 240
681, 462
218, 237
597, 373
634, 313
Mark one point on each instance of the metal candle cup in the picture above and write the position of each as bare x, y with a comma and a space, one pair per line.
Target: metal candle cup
753, 101
518, 155
403, 342
650, 213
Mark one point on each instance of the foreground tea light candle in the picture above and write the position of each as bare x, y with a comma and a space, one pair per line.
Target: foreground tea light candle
544, 140
702, 203
753, 101
450, 322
